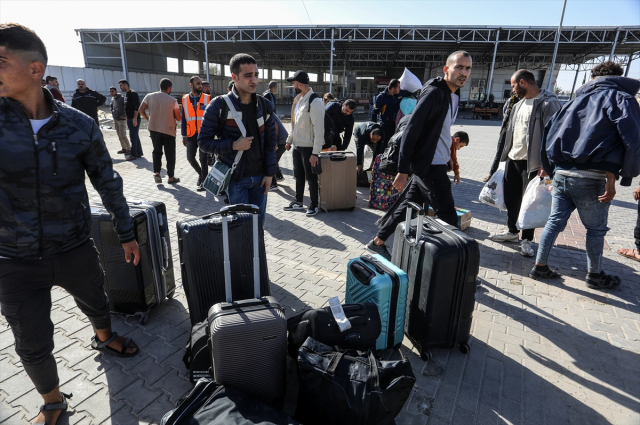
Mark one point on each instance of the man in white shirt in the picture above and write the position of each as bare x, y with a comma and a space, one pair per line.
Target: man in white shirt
522, 151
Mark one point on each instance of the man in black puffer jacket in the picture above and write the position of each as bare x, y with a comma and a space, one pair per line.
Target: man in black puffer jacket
45, 219
87, 100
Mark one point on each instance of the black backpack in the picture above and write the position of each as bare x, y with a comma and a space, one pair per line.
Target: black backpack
329, 127
391, 155
197, 356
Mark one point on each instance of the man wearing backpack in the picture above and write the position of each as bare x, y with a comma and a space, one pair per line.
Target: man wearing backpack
341, 114
307, 138
220, 135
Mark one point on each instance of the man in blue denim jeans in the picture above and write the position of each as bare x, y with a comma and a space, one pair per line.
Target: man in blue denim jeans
220, 135
131, 105
591, 142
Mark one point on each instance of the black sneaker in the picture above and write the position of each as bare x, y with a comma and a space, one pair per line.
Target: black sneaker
312, 211
378, 249
294, 206
602, 281
274, 186
279, 175
200, 188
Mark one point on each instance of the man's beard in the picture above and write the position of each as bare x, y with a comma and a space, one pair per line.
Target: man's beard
298, 90
197, 91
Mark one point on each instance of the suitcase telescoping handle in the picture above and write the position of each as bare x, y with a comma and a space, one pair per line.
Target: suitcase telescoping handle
407, 225
224, 212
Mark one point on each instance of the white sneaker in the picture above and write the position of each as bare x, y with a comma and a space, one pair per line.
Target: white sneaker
526, 249
505, 237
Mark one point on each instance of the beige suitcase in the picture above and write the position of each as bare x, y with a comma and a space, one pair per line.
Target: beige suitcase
337, 181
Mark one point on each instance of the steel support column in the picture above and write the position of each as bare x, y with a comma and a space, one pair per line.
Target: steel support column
575, 79
615, 43
493, 64
123, 55
626, 71
555, 49
331, 64
344, 76
206, 56
84, 50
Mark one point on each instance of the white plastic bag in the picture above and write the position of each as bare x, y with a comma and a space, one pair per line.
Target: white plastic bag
493, 191
409, 81
536, 204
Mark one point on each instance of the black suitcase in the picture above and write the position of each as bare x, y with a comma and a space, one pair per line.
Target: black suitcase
248, 338
201, 261
443, 265
320, 324
136, 289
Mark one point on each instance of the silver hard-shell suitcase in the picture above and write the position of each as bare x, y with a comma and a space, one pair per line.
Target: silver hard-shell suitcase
248, 338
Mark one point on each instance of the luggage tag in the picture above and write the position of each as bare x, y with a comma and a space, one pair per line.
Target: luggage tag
338, 314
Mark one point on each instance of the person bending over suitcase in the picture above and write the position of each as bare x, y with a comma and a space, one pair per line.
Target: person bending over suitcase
425, 151
47, 147
367, 134
459, 140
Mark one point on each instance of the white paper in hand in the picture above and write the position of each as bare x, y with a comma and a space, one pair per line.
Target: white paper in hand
338, 314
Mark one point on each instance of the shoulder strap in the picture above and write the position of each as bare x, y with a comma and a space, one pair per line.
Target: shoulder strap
238, 120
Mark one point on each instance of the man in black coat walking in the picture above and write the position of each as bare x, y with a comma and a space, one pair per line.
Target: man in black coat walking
425, 150
87, 100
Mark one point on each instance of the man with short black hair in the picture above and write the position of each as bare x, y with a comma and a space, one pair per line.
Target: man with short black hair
220, 135
119, 116
48, 150
206, 88
425, 151
87, 100
342, 116
522, 147
162, 117
307, 138
385, 108
328, 98
131, 106
270, 94
54, 87
367, 134
590, 143
193, 106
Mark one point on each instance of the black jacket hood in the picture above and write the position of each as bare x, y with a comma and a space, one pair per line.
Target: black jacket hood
612, 82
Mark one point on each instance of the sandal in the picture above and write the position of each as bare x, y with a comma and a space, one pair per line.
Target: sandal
602, 281
174, 181
157, 178
103, 346
538, 274
62, 406
634, 254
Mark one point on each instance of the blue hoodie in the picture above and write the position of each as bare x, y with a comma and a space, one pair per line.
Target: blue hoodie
599, 130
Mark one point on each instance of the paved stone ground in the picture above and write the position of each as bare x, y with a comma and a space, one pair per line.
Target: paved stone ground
541, 353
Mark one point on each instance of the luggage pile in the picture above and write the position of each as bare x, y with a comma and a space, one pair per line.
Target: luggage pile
251, 365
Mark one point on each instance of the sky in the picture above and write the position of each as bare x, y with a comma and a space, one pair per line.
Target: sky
55, 21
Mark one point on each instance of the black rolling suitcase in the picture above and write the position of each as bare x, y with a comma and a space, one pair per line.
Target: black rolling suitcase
443, 265
136, 289
201, 260
248, 338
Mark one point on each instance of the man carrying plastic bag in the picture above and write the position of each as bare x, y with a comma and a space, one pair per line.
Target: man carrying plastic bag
493, 191
536, 204
588, 144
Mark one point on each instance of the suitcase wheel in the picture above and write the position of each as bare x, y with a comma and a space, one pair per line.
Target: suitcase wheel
352, 208
464, 348
426, 356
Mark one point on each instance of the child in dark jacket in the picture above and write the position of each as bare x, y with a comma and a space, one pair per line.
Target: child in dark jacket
460, 140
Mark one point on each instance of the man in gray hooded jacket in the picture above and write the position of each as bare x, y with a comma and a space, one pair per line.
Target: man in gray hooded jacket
523, 143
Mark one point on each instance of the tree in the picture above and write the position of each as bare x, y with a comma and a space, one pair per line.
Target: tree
558, 90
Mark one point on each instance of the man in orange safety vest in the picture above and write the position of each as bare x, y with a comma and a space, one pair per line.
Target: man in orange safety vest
193, 106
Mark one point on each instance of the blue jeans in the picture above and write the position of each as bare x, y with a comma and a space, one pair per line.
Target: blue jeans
249, 191
570, 193
136, 146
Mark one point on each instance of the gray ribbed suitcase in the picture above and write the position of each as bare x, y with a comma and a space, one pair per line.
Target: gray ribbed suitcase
248, 338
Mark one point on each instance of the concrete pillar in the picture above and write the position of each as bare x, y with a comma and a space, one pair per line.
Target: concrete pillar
206, 57
331, 64
493, 64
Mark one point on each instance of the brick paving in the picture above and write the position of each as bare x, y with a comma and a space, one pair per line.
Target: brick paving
541, 353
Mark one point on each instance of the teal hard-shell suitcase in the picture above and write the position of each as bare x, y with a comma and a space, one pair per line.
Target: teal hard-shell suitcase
377, 280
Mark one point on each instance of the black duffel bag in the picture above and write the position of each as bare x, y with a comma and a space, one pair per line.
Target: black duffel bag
391, 155
320, 324
348, 388
214, 404
197, 356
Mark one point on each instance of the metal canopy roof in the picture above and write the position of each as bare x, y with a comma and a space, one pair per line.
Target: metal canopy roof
382, 47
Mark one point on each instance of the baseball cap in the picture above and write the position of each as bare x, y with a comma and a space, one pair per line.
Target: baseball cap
299, 76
